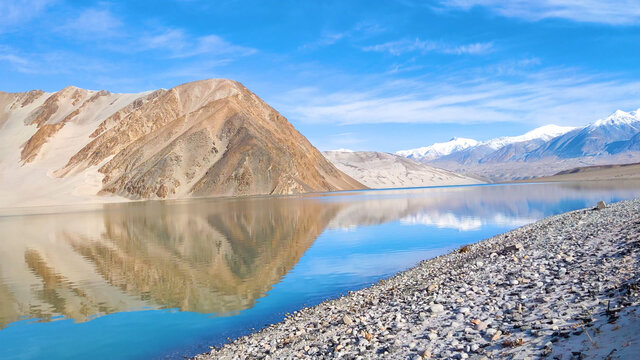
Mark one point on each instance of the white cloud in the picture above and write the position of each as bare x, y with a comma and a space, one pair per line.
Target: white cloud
549, 96
477, 48
15, 60
361, 30
93, 23
327, 39
52, 62
176, 43
424, 46
18, 12
179, 44
19, 63
613, 12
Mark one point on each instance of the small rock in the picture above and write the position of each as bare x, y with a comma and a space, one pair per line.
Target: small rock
601, 205
347, 320
496, 335
436, 308
512, 248
562, 272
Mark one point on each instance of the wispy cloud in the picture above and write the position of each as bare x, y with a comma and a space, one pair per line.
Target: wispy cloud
52, 62
179, 44
15, 60
359, 31
19, 63
613, 12
327, 39
425, 46
115, 35
18, 12
548, 96
93, 23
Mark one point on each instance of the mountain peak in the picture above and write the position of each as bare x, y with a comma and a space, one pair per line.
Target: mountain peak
196, 94
619, 117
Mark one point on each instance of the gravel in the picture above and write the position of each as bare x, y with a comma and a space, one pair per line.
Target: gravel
555, 288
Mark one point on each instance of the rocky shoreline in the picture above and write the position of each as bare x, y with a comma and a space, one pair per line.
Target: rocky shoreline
565, 287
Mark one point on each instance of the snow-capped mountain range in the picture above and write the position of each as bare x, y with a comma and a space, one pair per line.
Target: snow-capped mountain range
614, 139
569, 141
544, 133
456, 144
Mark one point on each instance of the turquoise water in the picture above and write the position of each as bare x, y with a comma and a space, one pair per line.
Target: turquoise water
168, 279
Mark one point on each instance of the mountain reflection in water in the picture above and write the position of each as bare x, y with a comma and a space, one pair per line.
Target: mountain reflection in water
203, 257
220, 256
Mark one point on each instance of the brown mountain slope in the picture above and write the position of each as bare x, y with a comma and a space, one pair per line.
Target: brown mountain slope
211, 137
205, 138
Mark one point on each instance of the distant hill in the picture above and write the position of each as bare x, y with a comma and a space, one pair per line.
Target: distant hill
383, 170
599, 172
205, 138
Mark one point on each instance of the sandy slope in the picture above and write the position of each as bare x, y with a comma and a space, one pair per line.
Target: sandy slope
382, 170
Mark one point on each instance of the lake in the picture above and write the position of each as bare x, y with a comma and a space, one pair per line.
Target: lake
166, 279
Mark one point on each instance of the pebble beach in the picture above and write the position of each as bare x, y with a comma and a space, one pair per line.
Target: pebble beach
565, 287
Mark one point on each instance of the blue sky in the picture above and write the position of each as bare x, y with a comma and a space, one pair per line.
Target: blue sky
366, 75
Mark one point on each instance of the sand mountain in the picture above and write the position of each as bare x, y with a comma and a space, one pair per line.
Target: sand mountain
209, 137
383, 170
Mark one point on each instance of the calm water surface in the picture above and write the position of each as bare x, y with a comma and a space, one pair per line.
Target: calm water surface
167, 279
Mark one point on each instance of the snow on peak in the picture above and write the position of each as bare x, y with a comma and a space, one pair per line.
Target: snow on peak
456, 144
547, 132
619, 117
544, 133
439, 149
